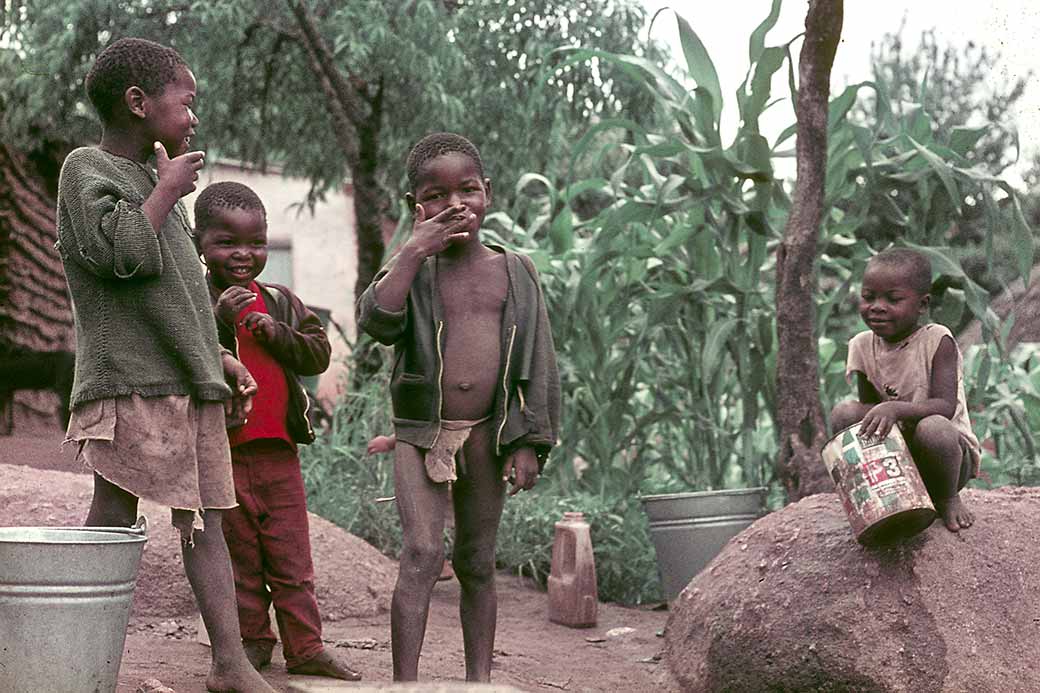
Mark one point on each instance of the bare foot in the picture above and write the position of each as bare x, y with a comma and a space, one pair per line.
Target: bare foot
326, 663
955, 514
237, 678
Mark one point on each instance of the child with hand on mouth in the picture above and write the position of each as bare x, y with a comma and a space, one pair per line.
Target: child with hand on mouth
475, 392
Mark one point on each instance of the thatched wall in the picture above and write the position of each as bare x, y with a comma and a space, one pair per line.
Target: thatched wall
35, 316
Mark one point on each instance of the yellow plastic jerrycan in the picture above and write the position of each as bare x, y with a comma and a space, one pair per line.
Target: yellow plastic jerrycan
572, 576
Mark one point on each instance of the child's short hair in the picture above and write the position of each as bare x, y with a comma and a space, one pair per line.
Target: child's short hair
224, 195
438, 144
915, 265
126, 63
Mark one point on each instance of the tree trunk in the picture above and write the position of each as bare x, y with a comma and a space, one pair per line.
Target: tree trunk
368, 211
356, 122
800, 416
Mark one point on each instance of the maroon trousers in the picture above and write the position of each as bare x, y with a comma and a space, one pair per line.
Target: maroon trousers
269, 541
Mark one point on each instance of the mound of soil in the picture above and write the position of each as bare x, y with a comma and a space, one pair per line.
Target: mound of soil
352, 579
795, 604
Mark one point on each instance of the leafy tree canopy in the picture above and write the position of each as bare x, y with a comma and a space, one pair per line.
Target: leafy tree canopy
482, 69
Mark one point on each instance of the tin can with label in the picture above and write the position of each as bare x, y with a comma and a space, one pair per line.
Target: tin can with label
879, 485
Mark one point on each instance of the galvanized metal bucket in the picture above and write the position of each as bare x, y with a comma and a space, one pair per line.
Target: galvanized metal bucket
689, 529
65, 597
879, 486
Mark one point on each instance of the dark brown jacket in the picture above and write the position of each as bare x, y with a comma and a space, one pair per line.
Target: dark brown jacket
527, 406
300, 347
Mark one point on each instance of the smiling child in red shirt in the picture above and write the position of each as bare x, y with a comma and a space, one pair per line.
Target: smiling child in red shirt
278, 339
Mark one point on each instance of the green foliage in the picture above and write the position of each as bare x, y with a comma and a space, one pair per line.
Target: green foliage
420, 66
1004, 402
961, 88
962, 97
343, 481
664, 283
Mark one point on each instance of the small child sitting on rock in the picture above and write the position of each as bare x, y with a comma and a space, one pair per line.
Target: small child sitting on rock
910, 375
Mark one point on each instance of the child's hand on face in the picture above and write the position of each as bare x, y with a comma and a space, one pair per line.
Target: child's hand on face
180, 172
243, 387
880, 420
521, 470
232, 302
261, 325
381, 444
433, 235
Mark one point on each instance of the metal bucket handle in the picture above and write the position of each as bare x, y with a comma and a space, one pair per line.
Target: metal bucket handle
141, 526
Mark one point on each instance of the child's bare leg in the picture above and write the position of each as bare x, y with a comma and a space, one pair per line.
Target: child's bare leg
420, 505
111, 506
937, 451
478, 500
208, 566
847, 413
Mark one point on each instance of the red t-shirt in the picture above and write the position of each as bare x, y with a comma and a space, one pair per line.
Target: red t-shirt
271, 402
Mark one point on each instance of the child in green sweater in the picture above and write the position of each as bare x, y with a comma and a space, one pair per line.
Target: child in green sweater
151, 382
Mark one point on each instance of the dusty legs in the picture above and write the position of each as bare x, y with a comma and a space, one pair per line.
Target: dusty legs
208, 568
477, 498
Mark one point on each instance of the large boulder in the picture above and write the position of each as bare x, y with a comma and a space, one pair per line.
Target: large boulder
351, 577
793, 603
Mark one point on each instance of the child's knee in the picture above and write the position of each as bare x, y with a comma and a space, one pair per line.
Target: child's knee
937, 434
474, 566
846, 413
424, 558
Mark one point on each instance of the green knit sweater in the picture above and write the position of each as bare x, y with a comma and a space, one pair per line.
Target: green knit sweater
144, 324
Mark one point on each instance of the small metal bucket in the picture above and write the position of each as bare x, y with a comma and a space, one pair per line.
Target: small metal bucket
689, 529
879, 486
65, 597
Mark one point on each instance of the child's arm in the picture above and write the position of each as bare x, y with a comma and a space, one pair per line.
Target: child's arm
429, 237
539, 392
381, 309
103, 227
942, 396
243, 387
177, 178
304, 350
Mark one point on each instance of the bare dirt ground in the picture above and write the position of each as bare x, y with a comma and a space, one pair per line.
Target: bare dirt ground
622, 653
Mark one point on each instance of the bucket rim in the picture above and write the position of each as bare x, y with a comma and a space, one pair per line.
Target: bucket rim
115, 535
751, 490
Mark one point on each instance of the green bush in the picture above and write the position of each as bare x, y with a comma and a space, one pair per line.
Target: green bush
343, 481
1004, 402
626, 569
